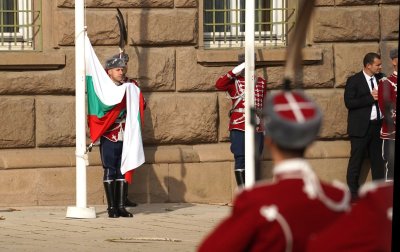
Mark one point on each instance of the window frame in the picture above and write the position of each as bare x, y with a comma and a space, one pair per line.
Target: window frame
276, 36
27, 27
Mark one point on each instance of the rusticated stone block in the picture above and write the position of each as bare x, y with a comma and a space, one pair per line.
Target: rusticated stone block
37, 82
334, 124
356, 2
191, 76
171, 154
55, 121
328, 149
349, 59
150, 184
324, 2
119, 3
57, 186
275, 76
315, 75
162, 27
320, 74
390, 22
336, 168
214, 152
102, 27
185, 3
200, 182
17, 122
49, 186
18, 187
390, 1
346, 24
224, 105
154, 68
180, 118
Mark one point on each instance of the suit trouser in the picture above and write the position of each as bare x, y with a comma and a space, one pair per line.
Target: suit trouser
372, 144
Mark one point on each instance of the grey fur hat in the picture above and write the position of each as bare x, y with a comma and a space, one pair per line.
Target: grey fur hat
123, 56
115, 63
394, 53
291, 119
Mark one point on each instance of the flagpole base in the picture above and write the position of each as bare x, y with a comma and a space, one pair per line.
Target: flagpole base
81, 212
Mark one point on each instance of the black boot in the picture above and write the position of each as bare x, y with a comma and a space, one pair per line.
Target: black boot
128, 203
239, 175
120, 197
109, 188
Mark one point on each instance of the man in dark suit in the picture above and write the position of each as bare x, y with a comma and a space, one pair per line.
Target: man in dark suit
364, 121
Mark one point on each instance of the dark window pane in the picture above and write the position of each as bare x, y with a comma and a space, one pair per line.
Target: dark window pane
262, 15
216, 13
9, 15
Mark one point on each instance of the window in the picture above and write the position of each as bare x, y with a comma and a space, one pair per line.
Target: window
224, 23
20, 25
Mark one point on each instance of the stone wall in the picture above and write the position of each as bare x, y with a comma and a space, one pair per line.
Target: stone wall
185, 135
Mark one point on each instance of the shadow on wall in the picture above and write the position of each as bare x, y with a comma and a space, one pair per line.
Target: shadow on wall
152, 182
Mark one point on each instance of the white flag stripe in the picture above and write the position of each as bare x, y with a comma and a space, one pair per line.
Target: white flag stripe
294, 106
111, 94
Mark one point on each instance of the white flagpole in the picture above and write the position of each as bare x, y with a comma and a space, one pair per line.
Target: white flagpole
249, 94
80, 210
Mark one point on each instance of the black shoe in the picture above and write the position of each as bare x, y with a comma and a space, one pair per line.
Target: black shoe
109, 188
239, 175
120, 199
129, 203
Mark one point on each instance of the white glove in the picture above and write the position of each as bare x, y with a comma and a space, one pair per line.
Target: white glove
238, 69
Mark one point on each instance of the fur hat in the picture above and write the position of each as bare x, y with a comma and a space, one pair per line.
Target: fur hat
115, 63
394, 53
291, 119
123, 56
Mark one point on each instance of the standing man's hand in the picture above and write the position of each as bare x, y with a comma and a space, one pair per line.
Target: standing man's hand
238, 69
374, 94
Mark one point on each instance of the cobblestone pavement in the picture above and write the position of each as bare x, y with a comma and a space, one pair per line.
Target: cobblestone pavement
154, 227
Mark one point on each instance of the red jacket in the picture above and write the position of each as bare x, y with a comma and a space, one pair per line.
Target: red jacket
387, 97
278, 215
235, 85
366, 228
115, 131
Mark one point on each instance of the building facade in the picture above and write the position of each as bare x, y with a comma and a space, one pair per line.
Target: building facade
177, 50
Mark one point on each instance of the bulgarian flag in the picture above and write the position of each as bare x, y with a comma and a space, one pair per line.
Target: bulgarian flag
106, 101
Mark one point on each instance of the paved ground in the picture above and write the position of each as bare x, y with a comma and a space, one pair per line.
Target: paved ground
155, 227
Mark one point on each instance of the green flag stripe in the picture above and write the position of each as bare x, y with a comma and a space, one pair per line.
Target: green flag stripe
95, 106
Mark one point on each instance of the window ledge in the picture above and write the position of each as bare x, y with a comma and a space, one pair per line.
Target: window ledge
265, 57
32, 60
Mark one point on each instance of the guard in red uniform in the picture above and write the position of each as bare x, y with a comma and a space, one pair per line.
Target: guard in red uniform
111, 143
126, 79
233, 83
281, 215
366, 228
387, 97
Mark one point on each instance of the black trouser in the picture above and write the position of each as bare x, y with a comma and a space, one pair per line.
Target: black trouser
372, 144
111, 153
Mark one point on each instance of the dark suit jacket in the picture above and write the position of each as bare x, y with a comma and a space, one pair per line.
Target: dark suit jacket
358, 101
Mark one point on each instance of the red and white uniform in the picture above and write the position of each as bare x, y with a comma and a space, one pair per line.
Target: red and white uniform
280, 215
387, 97
116, 131
235, 85
367, 227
